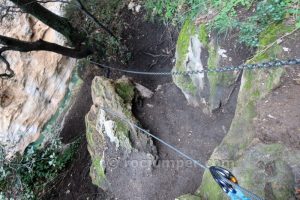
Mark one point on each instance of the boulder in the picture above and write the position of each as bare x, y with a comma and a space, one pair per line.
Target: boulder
265, 164
107, 132
194, 52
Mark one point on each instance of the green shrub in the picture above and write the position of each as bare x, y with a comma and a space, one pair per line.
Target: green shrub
174, 11
225, 14
26, 176
267, 13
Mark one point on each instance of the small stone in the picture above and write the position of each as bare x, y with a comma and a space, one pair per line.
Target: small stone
222, 52
285, 49
297, 81
159, 87
138, 8
149, 105
131, 6
271, 116
144, 92
279, 41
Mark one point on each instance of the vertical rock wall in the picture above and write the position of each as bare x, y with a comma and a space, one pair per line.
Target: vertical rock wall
28, 100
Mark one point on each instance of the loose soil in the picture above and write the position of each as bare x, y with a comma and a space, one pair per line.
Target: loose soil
166, 114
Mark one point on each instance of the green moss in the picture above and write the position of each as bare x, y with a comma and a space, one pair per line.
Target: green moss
125, 91
90, 130
242, 132
256, 94
216, 80
266, 154
285, 175
182, 47
122, 132
122, 128
209, 188
203, 35
274, 78
248, 177
248, 80
49, 128
253, 78
99, 170
273, 149
212, 63
272, 33
183, 43
186, 84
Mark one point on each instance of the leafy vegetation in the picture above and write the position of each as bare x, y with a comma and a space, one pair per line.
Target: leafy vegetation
175, 11
267, 13
107, 13
224, 16
26, 176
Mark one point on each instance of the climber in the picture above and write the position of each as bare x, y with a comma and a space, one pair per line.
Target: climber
224, 177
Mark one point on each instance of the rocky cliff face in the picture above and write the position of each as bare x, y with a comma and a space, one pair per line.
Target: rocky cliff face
29, 100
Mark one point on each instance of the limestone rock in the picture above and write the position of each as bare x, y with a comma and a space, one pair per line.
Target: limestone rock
202, 88
144, 92
30, 99
104, 130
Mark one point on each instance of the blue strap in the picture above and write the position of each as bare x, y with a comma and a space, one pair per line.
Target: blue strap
238, 195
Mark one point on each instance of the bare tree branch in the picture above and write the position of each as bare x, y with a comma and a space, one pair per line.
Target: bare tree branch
41, 45
11, 44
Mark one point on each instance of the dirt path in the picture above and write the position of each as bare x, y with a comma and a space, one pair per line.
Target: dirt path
168, 116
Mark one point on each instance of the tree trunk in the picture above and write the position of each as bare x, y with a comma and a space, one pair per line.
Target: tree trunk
58, 23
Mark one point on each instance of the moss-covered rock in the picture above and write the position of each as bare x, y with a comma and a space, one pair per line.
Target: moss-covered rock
125, 90
52, 127
218, 82
103, 127
183, 47
262, 168
199, 89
